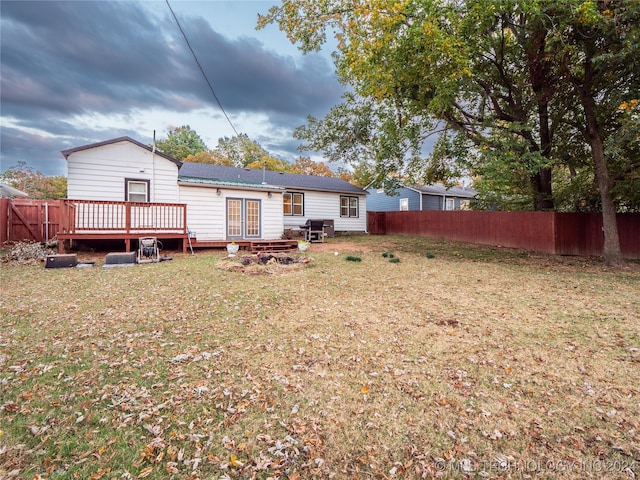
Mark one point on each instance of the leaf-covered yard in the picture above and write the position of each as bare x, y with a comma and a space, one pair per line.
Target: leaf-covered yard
452, 362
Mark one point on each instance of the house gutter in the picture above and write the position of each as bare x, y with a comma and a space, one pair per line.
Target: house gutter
153, 168
198, 182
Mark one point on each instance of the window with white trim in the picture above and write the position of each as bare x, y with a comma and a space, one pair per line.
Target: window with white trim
404, 204
348, 206
451, 204
293, 204
136, 190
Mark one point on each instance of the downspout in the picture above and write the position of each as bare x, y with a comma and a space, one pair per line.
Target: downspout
366, 231
153, 168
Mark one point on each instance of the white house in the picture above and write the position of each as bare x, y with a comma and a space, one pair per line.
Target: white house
222, 203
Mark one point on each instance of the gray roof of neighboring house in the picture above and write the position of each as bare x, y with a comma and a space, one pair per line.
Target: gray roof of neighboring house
290, 181
439, 189
69, 151
7, 191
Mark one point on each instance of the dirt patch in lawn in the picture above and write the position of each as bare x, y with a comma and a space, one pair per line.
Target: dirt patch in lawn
263, 263
340, 247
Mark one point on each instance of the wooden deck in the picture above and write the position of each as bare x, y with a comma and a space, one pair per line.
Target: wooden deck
111, 220
129, 221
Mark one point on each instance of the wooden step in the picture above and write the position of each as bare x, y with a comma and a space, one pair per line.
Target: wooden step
273, 245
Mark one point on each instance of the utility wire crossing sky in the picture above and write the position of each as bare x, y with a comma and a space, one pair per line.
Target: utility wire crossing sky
74, 73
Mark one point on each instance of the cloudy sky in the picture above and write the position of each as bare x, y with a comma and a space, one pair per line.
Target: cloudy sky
78, 72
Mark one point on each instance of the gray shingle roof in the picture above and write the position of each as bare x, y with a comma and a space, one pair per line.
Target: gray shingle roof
290, 181
439, 189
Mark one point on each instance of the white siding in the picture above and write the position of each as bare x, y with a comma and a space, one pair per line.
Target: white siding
99, 173
206, 211
326, 206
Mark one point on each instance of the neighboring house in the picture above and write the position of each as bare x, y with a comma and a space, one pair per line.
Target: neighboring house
429, 197
7, 191
222, 203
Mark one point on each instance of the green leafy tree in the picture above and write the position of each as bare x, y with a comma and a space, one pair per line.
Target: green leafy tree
517, 82
210, 156
181, 142
240, 150
306, 166
599, 47
34, 183
620, 147
364, 131
270, 163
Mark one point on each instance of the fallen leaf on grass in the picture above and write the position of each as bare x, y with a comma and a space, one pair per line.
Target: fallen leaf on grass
145, 472
99, 474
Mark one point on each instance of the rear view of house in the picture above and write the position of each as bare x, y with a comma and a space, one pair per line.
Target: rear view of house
301, 197
122, 188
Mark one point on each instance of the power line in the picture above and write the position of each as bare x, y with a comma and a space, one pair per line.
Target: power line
201, 69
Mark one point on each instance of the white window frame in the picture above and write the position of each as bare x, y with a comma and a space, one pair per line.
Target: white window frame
450, 204
295, 202
128, 195
404, 204
350, 209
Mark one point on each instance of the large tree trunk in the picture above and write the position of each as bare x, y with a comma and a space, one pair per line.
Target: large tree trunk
612, 252
542, 85
542, 192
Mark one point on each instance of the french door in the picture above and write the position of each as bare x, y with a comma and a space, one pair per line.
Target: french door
243, 218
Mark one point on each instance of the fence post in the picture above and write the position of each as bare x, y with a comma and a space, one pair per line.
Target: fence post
4, 220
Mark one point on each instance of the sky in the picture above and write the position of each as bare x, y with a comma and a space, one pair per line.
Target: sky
78, 72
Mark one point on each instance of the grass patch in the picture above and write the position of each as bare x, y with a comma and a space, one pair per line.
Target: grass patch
486, 361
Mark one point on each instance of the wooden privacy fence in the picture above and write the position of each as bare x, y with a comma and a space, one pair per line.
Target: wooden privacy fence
29, 220
549, 232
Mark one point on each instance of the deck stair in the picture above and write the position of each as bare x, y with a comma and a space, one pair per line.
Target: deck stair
273, 245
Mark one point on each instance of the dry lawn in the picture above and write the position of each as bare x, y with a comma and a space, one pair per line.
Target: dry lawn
476, 363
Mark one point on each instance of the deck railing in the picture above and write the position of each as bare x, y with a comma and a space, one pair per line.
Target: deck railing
111, 217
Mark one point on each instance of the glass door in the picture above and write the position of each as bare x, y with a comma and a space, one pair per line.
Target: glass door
252, 218
243, 218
